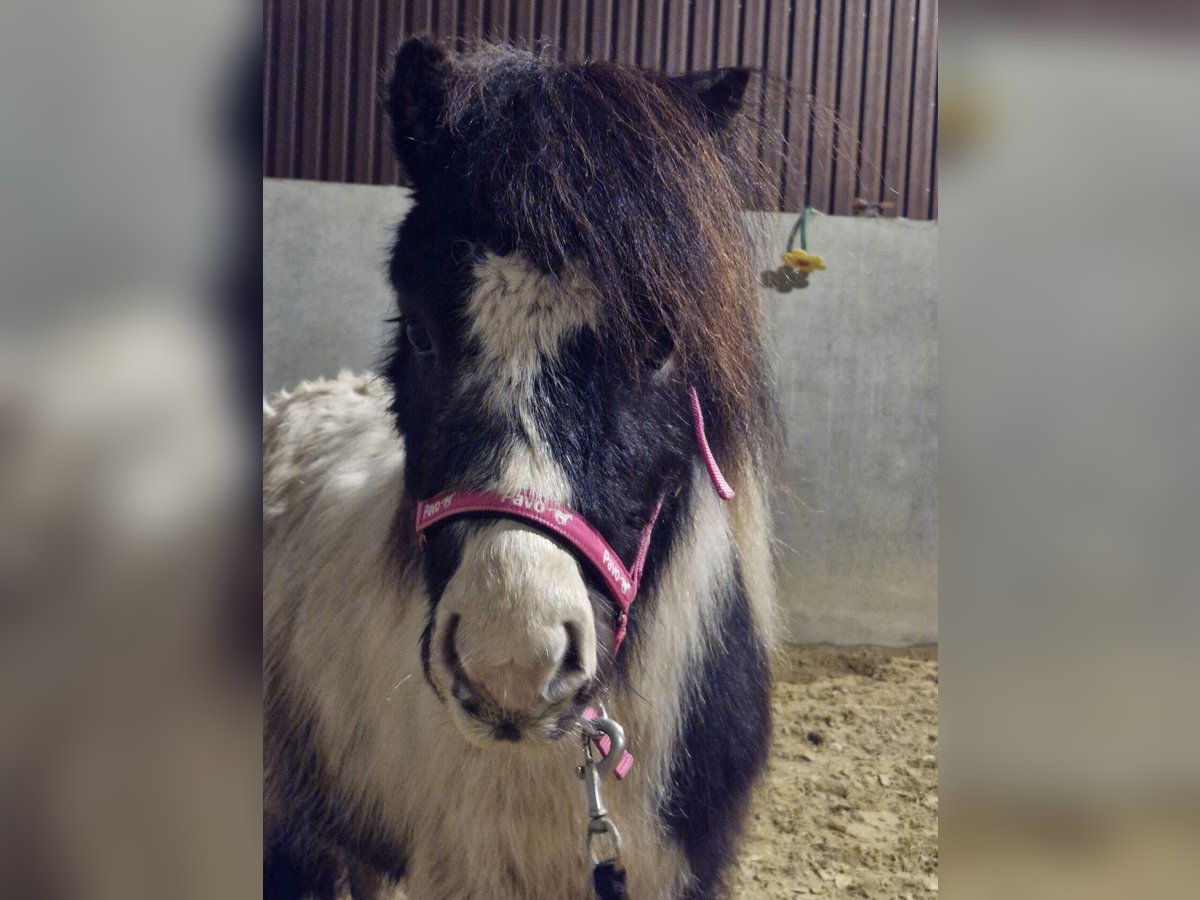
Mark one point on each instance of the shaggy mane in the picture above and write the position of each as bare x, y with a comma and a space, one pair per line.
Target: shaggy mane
619, 168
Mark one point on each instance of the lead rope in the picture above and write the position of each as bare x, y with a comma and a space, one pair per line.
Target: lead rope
603, 838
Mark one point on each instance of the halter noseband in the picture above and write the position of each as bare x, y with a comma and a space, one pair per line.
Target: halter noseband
571, 527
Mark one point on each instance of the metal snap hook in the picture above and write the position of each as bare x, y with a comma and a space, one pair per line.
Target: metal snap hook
603, 838
616, 737
604, 841
602, 726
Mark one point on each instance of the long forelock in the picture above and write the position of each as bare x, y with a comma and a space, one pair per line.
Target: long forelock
613, 169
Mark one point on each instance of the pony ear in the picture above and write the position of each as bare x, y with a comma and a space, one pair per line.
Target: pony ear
719, 93
416, 96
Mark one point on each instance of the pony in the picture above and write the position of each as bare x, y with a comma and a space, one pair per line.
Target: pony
577, 328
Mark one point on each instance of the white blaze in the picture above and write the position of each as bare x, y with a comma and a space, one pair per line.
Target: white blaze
516, 591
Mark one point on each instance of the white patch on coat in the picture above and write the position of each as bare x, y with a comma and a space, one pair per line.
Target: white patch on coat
750, 515
519, 318
342, 623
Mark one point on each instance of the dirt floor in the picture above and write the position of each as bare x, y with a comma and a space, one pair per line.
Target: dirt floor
849, 807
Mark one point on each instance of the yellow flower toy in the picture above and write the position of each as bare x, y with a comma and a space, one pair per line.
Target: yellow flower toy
798, 264
803, 261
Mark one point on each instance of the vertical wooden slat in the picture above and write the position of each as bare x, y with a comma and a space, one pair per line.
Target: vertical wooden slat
450, 29
800, 104
728, 33
775, 97
338, 132
550, 26
575, 28
525, 25
312, 84
752, 35
751, 48
425, 17
899, 104
628, 17
397, 23
600, 27
920, 156
497, 15
510, 15
650, 34
874, 101
753, 30
381, 142
845, 162
287, 102
676, 28
474, 13
366, 34
704, 30
270, 25
825, 104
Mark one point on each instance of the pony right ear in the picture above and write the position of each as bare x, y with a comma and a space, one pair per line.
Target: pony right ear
719, 93
416, 97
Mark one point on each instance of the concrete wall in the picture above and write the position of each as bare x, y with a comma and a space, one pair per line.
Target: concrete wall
856, 372
855, 359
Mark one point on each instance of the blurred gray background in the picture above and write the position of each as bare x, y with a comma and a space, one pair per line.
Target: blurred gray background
855, 363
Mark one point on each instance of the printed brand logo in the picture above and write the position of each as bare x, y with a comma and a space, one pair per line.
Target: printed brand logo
615, 572
432, 509
520, 501
562, 517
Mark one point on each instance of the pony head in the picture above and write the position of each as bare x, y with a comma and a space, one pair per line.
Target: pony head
574, 261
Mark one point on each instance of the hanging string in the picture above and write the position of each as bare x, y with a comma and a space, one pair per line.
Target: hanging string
801, 227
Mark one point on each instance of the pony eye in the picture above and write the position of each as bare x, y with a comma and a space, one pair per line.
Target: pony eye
418, 337
661, 352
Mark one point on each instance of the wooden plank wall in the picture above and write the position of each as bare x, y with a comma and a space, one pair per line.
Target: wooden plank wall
849, 107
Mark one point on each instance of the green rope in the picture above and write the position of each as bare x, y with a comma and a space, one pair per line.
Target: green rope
801, 226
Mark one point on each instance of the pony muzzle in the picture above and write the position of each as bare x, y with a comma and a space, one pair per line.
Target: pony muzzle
514, 644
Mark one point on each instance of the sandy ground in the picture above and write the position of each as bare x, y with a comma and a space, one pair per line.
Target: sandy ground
849, 807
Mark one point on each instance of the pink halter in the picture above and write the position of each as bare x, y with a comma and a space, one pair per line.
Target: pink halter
573, 528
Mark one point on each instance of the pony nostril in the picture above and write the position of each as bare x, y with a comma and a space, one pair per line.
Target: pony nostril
572, 661
449, 651
460, 685
570, 673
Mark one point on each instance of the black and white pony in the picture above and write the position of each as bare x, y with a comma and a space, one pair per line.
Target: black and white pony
574, 268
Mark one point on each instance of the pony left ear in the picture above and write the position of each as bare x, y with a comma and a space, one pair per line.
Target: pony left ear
719, 93
416, 96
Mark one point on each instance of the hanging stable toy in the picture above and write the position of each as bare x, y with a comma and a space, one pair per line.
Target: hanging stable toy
798, 263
